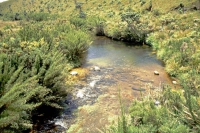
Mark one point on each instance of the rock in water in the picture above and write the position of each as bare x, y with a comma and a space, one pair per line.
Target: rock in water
96, 68
74, 73
156, 72
92, 84
80, 94
138, 89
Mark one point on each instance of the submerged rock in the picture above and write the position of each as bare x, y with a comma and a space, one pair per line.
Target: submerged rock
80, 94
61, 123
92, 84
138, 89
96, 68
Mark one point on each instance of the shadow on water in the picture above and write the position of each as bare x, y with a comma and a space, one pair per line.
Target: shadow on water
126, 64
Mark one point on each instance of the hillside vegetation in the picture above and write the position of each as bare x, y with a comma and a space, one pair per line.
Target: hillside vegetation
36, 33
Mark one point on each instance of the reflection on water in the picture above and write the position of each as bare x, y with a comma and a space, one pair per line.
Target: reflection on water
105, 52
108, 52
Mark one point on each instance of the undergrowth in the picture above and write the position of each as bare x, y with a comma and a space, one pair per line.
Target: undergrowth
167, 112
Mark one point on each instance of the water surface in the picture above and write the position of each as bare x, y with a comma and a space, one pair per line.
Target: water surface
106, 53
125, 67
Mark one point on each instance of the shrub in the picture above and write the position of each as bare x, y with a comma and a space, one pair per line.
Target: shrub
34, 32
33, 67
152, 41
12, 16
147, 117
74, 44
41, 16
16, 91
96, 23
78, 22
156, 12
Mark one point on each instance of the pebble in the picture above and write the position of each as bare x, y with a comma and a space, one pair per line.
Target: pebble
60, 123
156, 72
110, 68
92, 84
174, 82
196, 20
80, 94
74, 73
96, 68
157, 102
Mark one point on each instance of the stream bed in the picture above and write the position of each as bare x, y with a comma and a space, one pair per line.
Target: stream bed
112, 67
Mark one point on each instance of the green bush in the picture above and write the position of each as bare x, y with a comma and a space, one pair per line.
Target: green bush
33, 62
96, 23
16, 91
41, 16
34, 32
78, 22
74, 44
167, 117
152, 41
12, 16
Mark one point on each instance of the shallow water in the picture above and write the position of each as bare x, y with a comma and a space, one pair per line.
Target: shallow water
94, 102
106, 53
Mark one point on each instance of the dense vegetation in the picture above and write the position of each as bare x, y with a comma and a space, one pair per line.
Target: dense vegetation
43, 37
34, 63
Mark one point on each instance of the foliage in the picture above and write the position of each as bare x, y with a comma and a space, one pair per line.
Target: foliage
132, 19
151, 40
39, 16
16, 91
74, 43
33, 65
89, 23
78, 22
130, 16
35, 32
146, 116
99, 24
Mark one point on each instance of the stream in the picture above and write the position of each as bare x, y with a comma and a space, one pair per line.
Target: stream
111, 66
